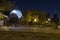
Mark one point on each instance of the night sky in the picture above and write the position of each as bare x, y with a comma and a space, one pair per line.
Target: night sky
46, 5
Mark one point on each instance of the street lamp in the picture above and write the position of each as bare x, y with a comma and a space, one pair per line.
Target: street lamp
49, 19
35, 20
46, 21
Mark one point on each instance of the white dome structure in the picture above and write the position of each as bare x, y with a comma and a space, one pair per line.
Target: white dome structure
17, 12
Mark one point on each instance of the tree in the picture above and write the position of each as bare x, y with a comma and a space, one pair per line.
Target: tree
47, 15
6, 5
42, 17
2, 1
55, 19
35, 16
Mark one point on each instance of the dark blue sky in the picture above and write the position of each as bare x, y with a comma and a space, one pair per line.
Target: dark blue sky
45, 5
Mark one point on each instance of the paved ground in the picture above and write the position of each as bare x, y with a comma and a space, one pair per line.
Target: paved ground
28, 36
31, 29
